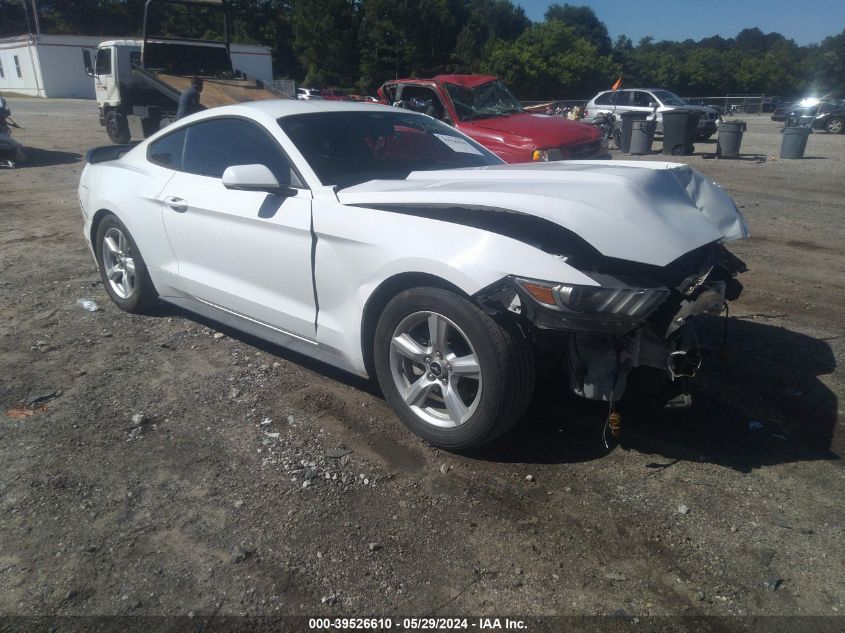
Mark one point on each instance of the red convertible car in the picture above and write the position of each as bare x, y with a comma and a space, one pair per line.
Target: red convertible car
482, 107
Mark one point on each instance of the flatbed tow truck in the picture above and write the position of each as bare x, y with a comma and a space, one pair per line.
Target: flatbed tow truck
138, 82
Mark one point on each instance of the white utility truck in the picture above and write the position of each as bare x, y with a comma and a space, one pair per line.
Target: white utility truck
138, 82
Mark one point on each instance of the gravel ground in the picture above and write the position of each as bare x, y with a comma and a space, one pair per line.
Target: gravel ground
170, 467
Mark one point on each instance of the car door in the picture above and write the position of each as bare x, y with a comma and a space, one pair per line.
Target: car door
621, 102
640, 101
247, 252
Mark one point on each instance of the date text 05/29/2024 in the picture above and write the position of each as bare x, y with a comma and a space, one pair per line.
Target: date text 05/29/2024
415, 624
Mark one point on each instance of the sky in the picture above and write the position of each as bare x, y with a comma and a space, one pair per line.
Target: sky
805, 21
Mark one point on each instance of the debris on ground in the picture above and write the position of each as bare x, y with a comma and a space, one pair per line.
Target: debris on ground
241, 553
16, 413
41, 398
89, 305
773, 583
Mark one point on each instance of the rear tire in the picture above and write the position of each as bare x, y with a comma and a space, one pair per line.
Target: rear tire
122, 269
117, 128
835, 125
453, 375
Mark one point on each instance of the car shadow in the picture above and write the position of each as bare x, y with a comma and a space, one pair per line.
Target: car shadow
36, 157
762, 405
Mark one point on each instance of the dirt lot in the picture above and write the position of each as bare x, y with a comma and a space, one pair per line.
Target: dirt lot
224, 497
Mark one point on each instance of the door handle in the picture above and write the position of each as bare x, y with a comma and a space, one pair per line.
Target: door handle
177, 204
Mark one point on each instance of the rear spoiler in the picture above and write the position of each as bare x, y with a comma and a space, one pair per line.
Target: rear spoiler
107, 153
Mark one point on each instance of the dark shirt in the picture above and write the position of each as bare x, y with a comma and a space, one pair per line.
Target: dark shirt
189, 102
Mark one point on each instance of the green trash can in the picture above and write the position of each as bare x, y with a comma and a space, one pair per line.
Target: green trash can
642, 136
679, 128
730, 138
794, 141
628, 119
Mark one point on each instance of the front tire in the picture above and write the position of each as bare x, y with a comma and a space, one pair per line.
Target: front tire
453, 375
122, 269
835, 125
117, 128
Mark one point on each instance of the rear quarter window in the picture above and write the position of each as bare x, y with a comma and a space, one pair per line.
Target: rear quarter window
168, 151
604, 98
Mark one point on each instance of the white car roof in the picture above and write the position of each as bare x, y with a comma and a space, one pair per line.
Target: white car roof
278, 108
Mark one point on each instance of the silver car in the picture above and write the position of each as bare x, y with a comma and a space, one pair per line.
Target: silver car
653, 101
308, 94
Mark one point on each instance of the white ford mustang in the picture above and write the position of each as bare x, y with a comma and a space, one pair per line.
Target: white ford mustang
388, 244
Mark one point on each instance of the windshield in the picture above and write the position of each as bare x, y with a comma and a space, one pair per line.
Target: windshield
347, 148
668, 98
487, 100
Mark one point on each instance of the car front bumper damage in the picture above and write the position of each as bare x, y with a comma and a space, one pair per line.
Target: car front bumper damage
601, 352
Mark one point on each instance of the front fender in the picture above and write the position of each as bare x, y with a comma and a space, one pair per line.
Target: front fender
358, 249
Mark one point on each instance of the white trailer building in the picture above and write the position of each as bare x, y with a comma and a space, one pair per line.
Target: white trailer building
51, 65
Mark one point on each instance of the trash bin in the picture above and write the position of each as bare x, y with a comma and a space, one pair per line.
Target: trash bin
642, 136
730, 138
628, 119
794, 141
679, 127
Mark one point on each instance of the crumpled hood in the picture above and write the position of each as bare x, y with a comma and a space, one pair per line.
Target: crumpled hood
646, 212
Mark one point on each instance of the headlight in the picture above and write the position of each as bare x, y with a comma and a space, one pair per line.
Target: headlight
555, 153
620, 301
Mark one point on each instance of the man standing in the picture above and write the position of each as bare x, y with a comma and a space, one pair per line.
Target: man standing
189, 100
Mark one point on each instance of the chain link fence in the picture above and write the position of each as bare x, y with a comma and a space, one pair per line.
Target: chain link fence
285, 86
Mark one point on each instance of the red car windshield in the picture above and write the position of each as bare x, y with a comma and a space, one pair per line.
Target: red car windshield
350, 147
484, 101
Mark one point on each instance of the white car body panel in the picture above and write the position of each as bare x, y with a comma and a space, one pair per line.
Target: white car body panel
353, 259
640, 211
231, 246
232, 253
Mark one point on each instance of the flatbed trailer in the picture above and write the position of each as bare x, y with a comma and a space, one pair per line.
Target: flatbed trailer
138, 82
217, 91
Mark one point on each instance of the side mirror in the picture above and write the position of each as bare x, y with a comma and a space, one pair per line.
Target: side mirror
254, 178
86, 59
652, 104
448, 120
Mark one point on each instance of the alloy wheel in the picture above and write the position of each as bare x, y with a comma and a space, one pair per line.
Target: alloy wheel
118, 263
435, 369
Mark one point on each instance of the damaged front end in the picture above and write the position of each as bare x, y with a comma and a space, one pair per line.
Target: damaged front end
637, 316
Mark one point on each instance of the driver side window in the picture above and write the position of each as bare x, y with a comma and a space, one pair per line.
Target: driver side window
103, 64
423, 100
213, 145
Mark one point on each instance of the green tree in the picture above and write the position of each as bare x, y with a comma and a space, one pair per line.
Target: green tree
550, 61
325, 40
487, 20
584, 22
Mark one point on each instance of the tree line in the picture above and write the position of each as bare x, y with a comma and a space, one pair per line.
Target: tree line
359, 44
